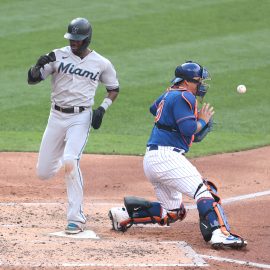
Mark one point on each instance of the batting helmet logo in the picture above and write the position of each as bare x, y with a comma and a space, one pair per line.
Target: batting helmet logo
74, 29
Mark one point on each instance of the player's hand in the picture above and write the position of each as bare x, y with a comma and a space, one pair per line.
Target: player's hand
206, 112
35, 72
45, 59
97, 117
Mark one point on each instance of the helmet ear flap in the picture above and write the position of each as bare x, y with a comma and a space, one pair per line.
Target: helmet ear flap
85, 44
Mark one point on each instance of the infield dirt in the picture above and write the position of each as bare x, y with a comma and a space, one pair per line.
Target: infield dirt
25, 224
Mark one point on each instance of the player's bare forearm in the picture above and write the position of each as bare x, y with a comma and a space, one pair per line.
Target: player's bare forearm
100, 111
112, 95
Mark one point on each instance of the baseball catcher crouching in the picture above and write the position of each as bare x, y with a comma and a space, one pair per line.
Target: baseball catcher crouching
178, 122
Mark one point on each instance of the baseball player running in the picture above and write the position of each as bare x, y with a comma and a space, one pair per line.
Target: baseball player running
177, 124
75, 73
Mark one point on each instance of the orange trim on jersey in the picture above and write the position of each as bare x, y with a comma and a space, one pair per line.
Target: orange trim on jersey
190, 105
159, 110
196, 109
196, 116
187, 101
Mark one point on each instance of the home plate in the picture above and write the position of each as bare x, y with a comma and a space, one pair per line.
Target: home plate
82, 235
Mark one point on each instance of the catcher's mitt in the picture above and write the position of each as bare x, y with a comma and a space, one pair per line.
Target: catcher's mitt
198, 137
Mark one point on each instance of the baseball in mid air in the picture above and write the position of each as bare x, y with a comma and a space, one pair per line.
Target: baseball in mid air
241, 89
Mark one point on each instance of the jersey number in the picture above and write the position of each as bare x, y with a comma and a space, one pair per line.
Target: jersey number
159, 110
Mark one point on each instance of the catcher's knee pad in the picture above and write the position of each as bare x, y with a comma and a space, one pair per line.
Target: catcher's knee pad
142, 211
211, 212
174, 215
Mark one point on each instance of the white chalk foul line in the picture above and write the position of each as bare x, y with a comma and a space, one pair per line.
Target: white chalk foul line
77, 265
237, 198
246, 263
247, 196
130, 265
55, 203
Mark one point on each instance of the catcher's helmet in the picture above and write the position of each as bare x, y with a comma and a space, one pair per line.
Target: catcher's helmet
188, 71
79, 29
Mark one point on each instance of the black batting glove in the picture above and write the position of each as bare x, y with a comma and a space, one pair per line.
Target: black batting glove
97, 117
45, 59
34, 74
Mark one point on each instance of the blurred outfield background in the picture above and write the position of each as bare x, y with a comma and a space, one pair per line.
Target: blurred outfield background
145, 40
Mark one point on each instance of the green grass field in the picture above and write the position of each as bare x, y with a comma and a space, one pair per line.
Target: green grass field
145, 40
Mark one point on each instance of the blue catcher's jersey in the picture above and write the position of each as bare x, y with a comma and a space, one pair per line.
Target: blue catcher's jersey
175, 119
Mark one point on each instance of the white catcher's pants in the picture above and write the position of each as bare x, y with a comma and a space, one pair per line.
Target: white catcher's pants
171, 175
63, 142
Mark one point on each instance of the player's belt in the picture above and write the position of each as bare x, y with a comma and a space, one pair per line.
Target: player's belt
155, 147
69, 110
165, 127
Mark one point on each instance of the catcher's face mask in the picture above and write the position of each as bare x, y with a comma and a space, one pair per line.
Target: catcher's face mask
202, 85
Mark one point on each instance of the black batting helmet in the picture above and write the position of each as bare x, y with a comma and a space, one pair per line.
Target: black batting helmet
79, 29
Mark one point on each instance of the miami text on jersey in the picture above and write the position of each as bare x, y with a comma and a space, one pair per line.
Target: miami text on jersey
68, 68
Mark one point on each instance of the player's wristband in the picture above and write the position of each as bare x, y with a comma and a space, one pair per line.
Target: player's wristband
202, 122
107, 102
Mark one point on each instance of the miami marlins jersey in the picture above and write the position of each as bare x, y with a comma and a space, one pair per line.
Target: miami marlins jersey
175, 119
75, 80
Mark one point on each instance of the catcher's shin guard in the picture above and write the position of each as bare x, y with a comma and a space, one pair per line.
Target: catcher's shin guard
213, 218
141, 211
136, 210
222, 219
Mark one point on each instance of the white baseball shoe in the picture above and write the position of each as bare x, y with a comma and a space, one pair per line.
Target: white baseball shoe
120, 218
220, 240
